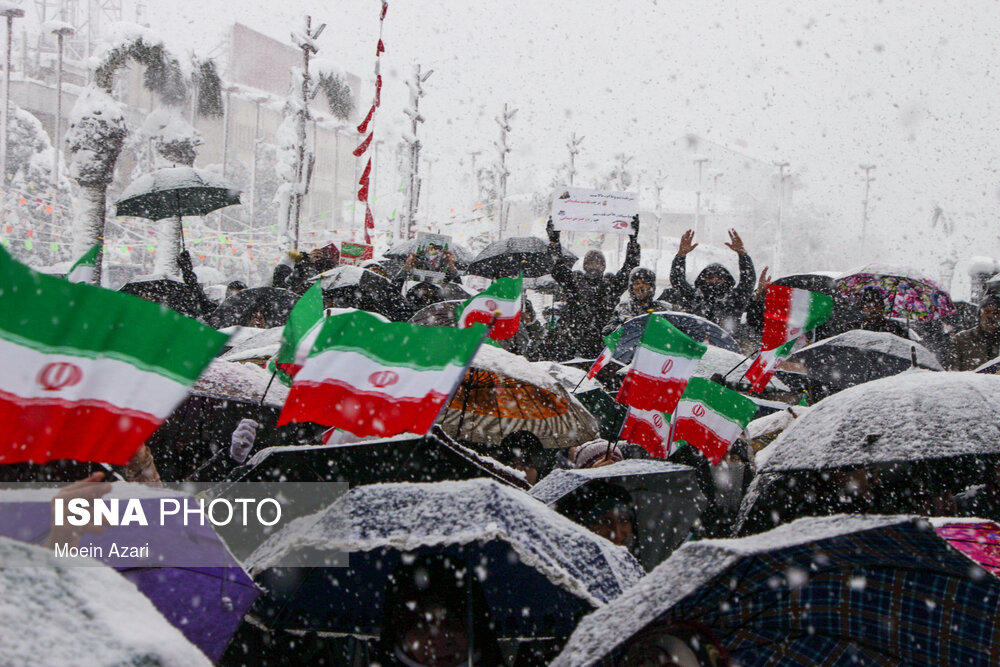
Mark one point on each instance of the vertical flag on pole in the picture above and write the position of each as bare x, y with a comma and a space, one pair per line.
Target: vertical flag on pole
664, 360
501, 300
296, 339
610, 345
711, 417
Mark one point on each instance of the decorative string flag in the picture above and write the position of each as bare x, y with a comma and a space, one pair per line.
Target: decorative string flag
363, 147
788, 313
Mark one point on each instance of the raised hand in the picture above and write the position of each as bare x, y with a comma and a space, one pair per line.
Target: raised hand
763, 281
736, 243
687, 243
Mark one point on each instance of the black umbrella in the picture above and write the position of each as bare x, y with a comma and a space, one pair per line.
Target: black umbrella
272, 303
510, 256
400, 251
175, 295
698, 328
440, 314
354, 287
174, 192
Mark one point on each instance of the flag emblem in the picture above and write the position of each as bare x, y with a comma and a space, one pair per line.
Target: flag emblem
383, 378
667, 365
57, 375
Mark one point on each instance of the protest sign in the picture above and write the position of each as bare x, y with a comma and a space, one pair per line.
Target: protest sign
583, 210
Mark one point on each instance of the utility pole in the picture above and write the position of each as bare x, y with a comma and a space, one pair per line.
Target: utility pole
781, 200
304, 159
502, 149
864, 217
61, 33
11, 13
416, 87
714, 175
574, 148
699, 160
658, 186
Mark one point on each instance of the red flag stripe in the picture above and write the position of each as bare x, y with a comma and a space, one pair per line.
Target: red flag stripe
334, 403
505, 327
651, 393
699, 436
642, 433
363, 127
778, 305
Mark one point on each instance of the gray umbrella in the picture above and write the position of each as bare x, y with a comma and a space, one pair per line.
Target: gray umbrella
400, 251
177, 191
440, 314
666, 496
512, 255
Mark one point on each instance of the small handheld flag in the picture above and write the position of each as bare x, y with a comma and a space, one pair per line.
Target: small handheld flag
501, 300
664, 360
711, 417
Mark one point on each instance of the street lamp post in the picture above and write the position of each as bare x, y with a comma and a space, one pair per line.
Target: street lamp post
698, 230
864, 217
781, 198
11, 13
61, 33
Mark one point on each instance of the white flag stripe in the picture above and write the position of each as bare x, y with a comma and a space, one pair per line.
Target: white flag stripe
651, 363
479, 304
798, 312
362, 373
116, 382
649, 416
714, 421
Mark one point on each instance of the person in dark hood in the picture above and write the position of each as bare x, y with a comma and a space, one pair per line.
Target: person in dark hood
872, 307
641, 287
974, 347
591, 295
715, 294
435, 615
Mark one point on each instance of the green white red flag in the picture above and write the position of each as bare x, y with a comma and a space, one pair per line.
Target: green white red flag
502, 300
766, 363
711, 417
87, 373
664, 360
372, 377
650, 430
610, 345
82, 270
299, 333
790, 312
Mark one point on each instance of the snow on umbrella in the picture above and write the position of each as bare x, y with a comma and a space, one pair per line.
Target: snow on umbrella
879, 590
538, 570
52, 614
173, 294
177, 191
504, 393
440, 314
666, 498
512, 255
906, 293
858, 356
354, 287
698, 328
269, 304
401, 251
904, 426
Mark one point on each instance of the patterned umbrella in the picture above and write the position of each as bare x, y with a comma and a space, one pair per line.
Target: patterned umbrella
906, 293
504, 393
876, 590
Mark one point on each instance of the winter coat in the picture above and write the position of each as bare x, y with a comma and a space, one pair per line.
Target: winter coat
630, 308
590, 302
725, 308
884, 325
973, 348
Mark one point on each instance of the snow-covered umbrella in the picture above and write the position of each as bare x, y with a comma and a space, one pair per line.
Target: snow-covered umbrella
513, 255
269, 304
353, 287
925, 432
906, 292
666, 498
176, 192
440, 314
503, 393
698, 328
56, 615
876, 590
401, 251
538, 570
858, 356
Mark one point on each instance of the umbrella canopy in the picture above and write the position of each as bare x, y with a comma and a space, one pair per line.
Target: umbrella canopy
270, 305
177, 191
698, 328
513, 255
173, 294
610, 414
53, 614
879, 590
503, 393
248, 343
666, 499
906, 293
538, 570
440, 314
858, 356
400, 251
354, 287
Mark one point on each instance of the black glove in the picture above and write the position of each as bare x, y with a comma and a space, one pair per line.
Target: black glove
551, 231
635, 225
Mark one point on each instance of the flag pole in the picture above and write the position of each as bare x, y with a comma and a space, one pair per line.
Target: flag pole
267, 387
461, 378
619, 436
742, 361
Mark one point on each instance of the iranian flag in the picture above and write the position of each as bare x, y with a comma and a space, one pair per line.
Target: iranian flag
664, 360
650, 430
88, 374
83, 270
372, 377
766, 363
790, 312
501, 299
711, 417
300, 331
610, 345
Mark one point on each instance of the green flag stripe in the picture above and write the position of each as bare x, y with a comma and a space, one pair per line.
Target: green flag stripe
52, 315
398, 343
503, 289
611, 340
663, 337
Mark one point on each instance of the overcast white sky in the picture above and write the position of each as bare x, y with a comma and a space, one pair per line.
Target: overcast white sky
910, 86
